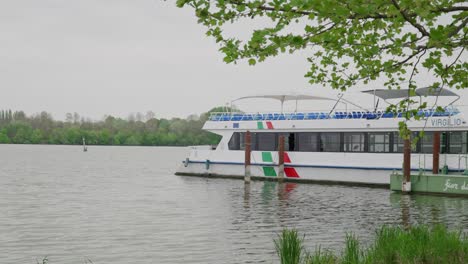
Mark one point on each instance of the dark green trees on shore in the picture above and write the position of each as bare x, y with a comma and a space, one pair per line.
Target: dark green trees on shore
18, 128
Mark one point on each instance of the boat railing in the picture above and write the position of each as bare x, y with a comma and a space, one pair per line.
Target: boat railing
320, 115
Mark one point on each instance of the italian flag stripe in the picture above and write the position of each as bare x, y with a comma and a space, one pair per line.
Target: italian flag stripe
267, 157
269, 171
260, 125
291, 173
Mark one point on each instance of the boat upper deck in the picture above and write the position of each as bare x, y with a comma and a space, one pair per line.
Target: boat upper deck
217, 117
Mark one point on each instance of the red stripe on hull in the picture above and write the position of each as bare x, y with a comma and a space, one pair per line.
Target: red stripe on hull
291, 173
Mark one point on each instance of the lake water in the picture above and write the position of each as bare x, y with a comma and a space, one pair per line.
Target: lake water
124, 205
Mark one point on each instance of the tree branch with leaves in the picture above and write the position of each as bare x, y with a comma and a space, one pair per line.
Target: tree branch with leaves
351, 42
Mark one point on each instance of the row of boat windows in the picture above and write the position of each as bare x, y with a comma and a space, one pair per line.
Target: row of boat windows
378, 142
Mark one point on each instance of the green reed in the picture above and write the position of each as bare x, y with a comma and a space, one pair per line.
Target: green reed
418, 245
289, 247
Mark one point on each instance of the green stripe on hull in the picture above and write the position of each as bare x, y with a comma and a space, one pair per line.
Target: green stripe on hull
260, 125
269, 171
267, 157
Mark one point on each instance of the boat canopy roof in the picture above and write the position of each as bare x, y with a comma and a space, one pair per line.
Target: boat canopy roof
402, 93
284, 97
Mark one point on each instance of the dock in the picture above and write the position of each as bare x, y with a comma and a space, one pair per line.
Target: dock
432, 183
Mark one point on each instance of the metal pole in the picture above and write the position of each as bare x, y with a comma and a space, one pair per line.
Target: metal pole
248, 150
406, 187
281, 158
435, 152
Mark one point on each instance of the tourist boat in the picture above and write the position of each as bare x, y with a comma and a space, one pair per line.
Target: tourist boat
360, 146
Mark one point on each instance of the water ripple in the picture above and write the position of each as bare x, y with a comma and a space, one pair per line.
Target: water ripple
124, 205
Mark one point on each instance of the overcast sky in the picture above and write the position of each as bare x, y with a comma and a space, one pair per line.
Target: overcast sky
100, 57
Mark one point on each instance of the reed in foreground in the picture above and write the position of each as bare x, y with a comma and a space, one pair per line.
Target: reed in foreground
420, 244
289, 247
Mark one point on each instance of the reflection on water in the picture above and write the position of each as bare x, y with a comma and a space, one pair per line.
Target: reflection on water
124, 205
431, 209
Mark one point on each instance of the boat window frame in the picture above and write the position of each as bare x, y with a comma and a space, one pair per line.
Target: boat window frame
300, 145
362, 141
294, 142
463, 143
259, 137
384, 143
339, 142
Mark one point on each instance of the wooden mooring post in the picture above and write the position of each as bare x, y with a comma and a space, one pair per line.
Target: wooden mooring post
436, 153
281, 158
406, 186
248, 151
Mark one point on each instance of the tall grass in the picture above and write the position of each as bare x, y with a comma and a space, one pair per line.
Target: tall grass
417, 245
289, 247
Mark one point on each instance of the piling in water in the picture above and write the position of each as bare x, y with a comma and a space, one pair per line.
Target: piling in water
248, 150
406, 187
435, 153
281, 158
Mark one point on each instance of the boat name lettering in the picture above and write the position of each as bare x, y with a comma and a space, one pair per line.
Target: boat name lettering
455, 186
450, 186
464, 186
446, 122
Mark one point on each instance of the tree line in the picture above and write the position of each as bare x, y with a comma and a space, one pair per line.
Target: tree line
137, 130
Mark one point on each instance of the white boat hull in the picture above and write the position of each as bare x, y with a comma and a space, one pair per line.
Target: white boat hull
359, 168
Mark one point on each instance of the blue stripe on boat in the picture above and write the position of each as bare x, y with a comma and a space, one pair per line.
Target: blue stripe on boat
308, 166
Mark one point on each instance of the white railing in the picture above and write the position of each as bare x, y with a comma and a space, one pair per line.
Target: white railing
236, 116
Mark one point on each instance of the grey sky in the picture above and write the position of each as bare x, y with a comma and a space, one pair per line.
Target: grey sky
98, 57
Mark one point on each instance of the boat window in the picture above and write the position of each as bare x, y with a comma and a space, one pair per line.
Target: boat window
330, 142
443, 142
398, 143
379, 142
289, 141
307, 142
253, 139
234, 143
454, 142
458, 142
427, 142
354, 142
266, 141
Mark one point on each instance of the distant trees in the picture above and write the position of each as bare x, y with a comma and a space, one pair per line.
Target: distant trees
138, 129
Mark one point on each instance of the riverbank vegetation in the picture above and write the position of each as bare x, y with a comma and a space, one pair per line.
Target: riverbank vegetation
419, 244
138, 130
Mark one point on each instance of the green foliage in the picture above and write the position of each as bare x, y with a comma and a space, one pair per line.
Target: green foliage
45, 260
321, 257
18, 128
289, 247
419, 244
349, 41
352, 253
4, 137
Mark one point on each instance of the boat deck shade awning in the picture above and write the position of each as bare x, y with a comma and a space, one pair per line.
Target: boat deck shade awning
428, 91
284, 98
403, 93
